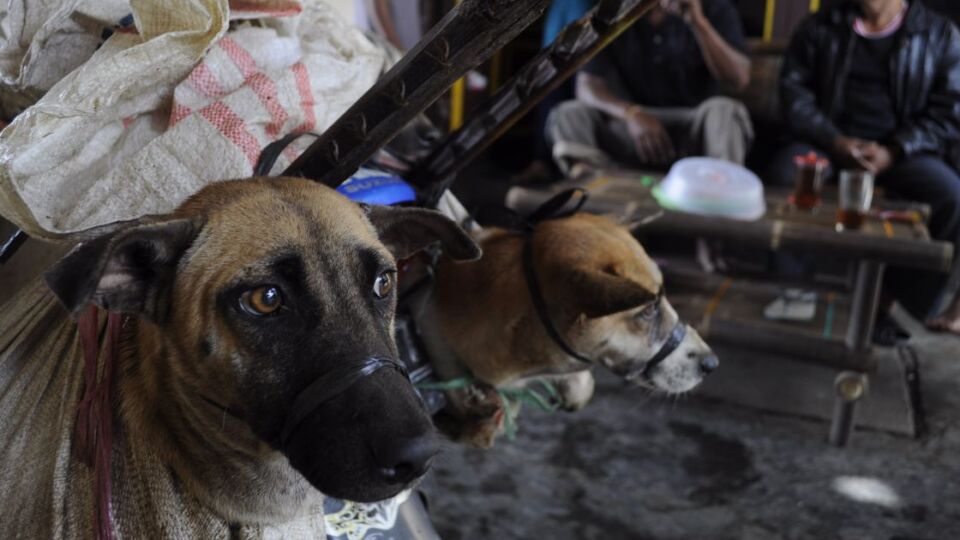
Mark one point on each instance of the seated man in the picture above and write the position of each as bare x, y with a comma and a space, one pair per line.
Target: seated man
875, 85
651, 96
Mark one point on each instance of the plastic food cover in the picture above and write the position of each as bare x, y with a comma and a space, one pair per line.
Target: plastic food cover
712, 187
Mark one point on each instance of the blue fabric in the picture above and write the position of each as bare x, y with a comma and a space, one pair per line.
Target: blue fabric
383, 189
562, 13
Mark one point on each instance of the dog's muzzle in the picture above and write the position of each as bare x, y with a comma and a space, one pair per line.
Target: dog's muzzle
330, 385
643, 368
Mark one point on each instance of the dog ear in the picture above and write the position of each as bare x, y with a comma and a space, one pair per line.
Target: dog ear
597, 294
128, 271
406, 231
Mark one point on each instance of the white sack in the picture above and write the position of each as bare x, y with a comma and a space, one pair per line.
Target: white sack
141, 125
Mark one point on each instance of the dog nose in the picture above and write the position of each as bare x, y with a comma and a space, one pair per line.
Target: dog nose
406, 459
429, 135
709, 363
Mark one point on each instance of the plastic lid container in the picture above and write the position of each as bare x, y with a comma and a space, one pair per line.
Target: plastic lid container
712, 187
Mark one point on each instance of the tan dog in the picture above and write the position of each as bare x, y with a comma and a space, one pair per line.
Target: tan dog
257, 368
603, 294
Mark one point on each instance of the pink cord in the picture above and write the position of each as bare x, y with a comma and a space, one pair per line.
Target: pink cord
93, 433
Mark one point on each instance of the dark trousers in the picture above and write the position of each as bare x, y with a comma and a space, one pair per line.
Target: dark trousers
923, 178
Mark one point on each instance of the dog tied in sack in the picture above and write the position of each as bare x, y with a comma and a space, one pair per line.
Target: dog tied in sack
570, 293
256, 369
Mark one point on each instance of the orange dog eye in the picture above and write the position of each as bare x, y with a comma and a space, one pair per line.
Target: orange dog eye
383, 285
262, 300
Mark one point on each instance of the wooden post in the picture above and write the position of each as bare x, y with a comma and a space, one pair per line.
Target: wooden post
850, 388
866, 300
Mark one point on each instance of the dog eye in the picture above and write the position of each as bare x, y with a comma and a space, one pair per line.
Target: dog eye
262, 300
648, 312
383, 285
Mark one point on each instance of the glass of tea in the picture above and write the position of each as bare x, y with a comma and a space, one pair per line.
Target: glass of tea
811, 169
856, 194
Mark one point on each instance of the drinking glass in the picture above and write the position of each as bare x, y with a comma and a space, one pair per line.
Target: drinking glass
856, 194
809, 181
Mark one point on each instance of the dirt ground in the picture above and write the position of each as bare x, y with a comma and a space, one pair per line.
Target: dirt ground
635, 466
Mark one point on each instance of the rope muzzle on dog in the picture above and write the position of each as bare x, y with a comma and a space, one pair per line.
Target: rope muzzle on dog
330, 385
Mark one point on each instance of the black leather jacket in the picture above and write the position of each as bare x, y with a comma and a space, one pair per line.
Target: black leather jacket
925, 74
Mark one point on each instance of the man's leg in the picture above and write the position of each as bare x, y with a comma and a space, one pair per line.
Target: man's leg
580, 133
721, 129
930, 180
781, 171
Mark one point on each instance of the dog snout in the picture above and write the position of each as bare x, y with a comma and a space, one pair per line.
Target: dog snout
709, 363
429, 135
404, 460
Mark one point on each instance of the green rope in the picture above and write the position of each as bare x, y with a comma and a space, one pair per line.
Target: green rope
452, 384
828, 318
508, 398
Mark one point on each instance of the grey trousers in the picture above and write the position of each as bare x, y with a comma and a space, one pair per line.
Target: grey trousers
719, 127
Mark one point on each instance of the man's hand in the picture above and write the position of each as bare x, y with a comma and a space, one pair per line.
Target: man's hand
651, 139
867, 155
691, 11
848, 151
876, 157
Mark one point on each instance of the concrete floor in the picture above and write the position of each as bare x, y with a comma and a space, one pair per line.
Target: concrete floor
636, 466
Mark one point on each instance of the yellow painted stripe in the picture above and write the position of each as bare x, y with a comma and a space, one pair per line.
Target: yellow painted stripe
814, 6
457, 92
597, 182
713, 305
888, 228
776, 233
768, 20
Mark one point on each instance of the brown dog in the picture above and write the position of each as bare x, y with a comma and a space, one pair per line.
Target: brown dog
256, 368
602, 292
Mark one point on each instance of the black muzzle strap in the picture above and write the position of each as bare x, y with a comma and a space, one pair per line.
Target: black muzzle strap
644, 368
330, 385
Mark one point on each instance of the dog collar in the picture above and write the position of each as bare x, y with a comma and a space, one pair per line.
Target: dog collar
540, 305
329, 385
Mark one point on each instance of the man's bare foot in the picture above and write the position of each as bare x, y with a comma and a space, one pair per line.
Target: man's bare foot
949, 320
